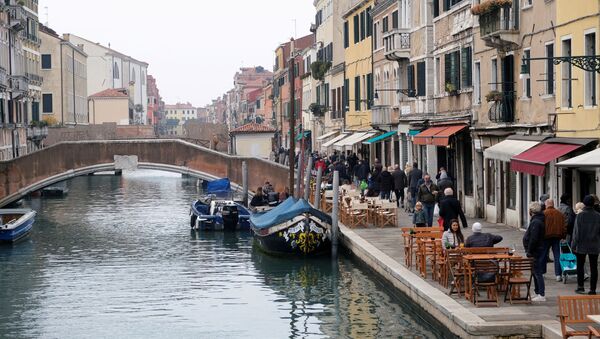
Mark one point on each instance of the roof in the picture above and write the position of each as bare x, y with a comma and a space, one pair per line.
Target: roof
253, 128
111, 93
180, 105
589, 159
110, 50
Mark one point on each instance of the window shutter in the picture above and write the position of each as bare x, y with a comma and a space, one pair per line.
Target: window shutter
466, 72
346, 101
369, 90
346, 37
318, 95
446, 5
356, 29
410, 70
357, 93
421, 85
395, 19
369, 23
447, 74
363, 23
436, 8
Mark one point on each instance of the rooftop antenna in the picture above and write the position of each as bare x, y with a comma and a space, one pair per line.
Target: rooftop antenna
46, 12
295, 29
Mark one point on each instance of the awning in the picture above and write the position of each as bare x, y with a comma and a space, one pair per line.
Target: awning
354, 139
589, 159
327, 135
534, 160
414, 132
380, 137
439, 136
334, 140
507, 149
306, 134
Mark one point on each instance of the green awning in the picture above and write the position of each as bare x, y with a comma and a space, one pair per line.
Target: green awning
413, 132
306, 135
380, 138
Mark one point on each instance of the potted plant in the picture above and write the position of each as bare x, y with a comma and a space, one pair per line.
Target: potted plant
451, 89
493, 96
319, 68
317, 110
488, 6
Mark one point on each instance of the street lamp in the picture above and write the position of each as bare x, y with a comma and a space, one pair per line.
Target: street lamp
588, 63
411, 93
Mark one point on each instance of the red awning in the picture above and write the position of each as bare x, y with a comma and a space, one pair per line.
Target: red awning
439, 136
443, 138
534, 160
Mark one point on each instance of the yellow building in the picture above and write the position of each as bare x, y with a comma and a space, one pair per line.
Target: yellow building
358, 82
577, 91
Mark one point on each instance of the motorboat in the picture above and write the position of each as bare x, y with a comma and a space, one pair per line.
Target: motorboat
15, 223
294, 227
217, 211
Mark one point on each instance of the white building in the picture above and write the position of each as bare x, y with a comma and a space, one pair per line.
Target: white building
108, 69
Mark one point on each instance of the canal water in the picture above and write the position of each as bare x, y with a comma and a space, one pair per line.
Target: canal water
116, 259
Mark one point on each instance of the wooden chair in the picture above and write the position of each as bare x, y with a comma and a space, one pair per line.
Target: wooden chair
386, 214
520, 273
327, 201
425, 250
573, 310
359, 214
456, 269
485, 274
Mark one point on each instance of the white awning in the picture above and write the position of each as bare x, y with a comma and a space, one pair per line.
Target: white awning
589, 159
327, 135
334, 140
354, 139
507, 149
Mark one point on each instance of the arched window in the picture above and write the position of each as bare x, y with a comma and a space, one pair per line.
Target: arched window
143, 78
133, 75
116, 71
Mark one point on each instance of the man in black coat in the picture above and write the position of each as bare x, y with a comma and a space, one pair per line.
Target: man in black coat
399, 185
445, 182
386, 183
413, 183
362, 171
533, 242
450, 209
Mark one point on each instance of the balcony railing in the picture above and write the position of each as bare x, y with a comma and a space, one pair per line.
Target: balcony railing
34, 79
37, 133
3, 78
499, 27
33, 38
384, 115
18, 17
397, 43
18, 83
503, 109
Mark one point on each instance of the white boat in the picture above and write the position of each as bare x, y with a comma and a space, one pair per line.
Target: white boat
15, 223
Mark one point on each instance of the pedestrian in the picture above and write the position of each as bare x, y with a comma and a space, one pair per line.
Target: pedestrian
586, 242
419, 217
386, 183
399, 185
453, 236
555, 230
533, 242
267, 188
480, 239
259, 198
320, 164
445, 182
450, 209
543, 199
427, 195
566, 209
413, 178
375, 179
578, 208
596, 203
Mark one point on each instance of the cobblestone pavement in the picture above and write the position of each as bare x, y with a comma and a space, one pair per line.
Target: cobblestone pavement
389, 241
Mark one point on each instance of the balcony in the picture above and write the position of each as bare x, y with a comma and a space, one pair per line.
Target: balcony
36, 133
384, 115
32, 38
3, 78
397, 44
502, 108
499, 28
18, 17
18, 83
34, 79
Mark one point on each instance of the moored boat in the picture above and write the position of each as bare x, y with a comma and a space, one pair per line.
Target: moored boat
15, 224
293, 227
211, 213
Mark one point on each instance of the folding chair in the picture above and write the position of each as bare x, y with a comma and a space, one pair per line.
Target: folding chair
485, 274
521, 273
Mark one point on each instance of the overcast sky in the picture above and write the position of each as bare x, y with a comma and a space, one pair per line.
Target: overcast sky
193, 47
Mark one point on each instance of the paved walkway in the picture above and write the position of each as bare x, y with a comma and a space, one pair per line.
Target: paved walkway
389, 241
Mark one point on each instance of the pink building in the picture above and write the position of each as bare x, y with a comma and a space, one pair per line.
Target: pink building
155, 103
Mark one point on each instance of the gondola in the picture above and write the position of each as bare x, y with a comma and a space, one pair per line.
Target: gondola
15, 224
212, 212
292, 228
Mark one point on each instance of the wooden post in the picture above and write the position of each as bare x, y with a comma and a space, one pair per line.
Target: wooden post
245, 183
297, 191
307, 178
318, 188
334, 212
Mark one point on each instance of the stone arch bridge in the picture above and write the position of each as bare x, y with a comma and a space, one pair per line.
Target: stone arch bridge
23, 175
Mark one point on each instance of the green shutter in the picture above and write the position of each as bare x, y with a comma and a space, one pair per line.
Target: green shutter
318, 95
346, 101
346, 33
447, 74
356, 29
369, 22
363, 23
421, 82
357, 93
410, 77
369, 90
466, 64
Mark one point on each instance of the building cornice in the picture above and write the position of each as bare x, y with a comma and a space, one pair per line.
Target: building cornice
354, 8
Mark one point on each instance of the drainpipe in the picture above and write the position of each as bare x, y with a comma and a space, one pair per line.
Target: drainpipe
74, 96
62, 87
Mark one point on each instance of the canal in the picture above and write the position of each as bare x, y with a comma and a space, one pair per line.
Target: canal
116, 258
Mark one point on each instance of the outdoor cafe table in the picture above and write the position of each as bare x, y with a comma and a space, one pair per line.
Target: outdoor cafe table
470, 258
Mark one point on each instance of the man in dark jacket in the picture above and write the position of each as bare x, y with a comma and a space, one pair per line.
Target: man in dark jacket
567, 210
362, 171
427, 194
399, 185
450, 209
480, 239
386, 183
586, 241
445, 182
413, 178
533, 242
375, 178
555, 231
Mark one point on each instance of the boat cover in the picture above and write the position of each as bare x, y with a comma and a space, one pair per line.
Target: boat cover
286, 211
219, 185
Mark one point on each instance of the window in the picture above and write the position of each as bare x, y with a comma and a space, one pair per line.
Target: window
549, 69
452, 69
421, 79
363, 22
46, 61
47, 103
116, 73
527, 80
437, 76
356, 29
450, 3
385, 24
395, 19
590, 77
346, 32
410, 77
468, 166
477, 84
567, 72
490, 170
133, 75
375, 42
326, 92
369, 22
143, 78
436, 8
357, 93
494, 82
369, 90
466, 71
346, 102
511, 178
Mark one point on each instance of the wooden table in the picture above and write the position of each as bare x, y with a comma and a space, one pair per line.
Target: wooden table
469, 258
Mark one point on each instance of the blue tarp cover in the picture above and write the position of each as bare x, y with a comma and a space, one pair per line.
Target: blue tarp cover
219, 185
286, 211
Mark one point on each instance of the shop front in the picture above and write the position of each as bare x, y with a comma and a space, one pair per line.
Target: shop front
584, 174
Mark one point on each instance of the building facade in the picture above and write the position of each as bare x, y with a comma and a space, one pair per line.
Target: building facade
156, 106
64, 91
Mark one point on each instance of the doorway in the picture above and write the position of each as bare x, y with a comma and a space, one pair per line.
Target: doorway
587, 183
524, 200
